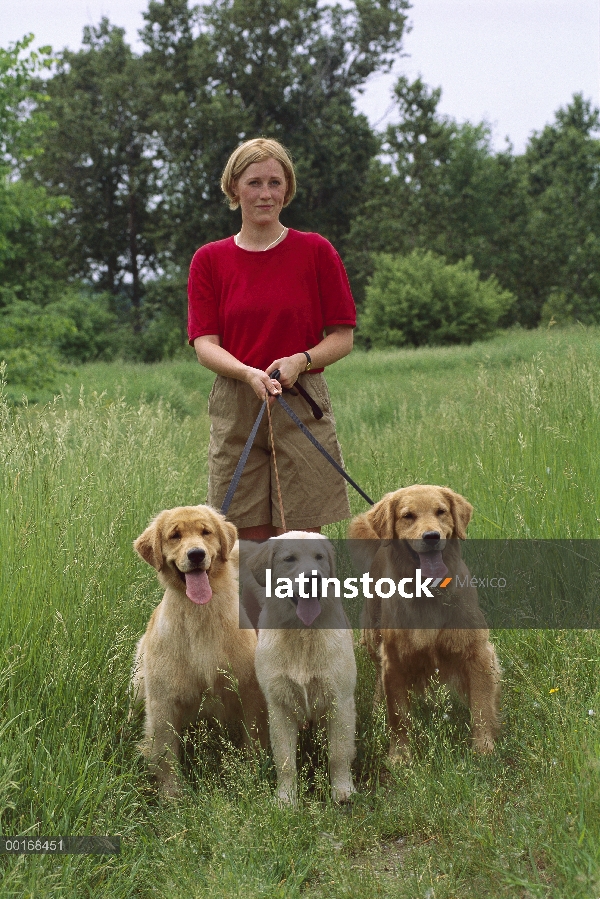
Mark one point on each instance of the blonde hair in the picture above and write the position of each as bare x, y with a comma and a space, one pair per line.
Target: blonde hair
257, 150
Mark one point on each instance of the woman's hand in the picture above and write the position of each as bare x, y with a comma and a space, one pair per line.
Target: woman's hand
212, 355
336, 344
261, 383
289, 368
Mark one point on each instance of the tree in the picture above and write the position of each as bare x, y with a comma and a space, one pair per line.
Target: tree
30, 276
103, 155
42, 319
234, 69
561, 176
22, 119
28, 269
441, 188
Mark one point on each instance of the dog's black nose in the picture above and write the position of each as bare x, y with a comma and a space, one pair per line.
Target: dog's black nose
431, 535
196, 555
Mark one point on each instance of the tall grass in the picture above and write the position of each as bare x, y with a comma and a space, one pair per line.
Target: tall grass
512, 424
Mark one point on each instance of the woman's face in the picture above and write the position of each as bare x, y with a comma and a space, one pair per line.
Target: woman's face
260, 190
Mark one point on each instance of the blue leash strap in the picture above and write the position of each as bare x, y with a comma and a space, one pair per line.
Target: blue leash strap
322, 449
243, 459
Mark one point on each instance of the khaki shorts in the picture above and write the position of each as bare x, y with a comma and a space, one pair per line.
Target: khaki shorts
313, 492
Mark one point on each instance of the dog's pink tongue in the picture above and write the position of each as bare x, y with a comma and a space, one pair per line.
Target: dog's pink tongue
197, 587
432, 564
307, 610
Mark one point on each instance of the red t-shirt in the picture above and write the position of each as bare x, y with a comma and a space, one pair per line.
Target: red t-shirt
264, 306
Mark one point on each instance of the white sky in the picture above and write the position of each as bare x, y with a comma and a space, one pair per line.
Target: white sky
511, 62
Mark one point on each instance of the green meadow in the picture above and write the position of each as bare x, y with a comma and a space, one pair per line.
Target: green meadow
513, 424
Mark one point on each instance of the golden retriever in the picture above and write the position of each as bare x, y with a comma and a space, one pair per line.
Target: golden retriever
409, 639
305, 657
194, 658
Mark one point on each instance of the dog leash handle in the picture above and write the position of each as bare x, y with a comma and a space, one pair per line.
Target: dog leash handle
316, 409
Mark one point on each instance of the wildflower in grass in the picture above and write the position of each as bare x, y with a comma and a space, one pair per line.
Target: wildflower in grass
591, 712
554, 690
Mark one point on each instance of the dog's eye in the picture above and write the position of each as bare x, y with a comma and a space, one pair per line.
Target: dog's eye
409, 515
206, 532
441, 511
176, 535
319, 557
289, 559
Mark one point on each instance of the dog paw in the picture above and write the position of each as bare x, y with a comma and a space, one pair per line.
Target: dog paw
286, 797
342, 794
170, 793
169, 787
399, 754
484, 745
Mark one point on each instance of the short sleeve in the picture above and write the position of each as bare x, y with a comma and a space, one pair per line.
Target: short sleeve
337, 301
203, 306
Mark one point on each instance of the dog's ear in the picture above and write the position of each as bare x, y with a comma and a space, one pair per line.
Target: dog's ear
462, 510
149, 545
364, 542
258, 559
361, 528
227, 535
382, 517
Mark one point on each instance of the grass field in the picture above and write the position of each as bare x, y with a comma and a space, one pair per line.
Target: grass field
514, 425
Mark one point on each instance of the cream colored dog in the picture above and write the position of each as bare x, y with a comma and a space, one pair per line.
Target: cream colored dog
194, 658
305, 658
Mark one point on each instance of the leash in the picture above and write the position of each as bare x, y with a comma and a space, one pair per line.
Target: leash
246, 451
242, 462
316, 409
275, 467
316, 443
322, 449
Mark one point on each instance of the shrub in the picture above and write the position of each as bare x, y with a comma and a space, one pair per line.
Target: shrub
564, 307
36, 341
418, 299
94, 330
28, 337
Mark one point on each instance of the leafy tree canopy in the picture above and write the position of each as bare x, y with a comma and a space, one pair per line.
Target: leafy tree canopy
438, 186
234, 69
102, 155
22, 117
28, 268
560, 172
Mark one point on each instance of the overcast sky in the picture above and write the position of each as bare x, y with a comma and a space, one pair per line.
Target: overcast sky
510, 62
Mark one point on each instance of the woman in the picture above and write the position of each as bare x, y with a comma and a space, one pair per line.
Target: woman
270, 298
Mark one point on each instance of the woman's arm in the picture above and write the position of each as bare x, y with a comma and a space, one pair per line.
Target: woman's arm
336, 344
211, 355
